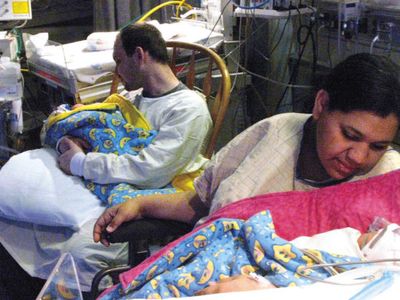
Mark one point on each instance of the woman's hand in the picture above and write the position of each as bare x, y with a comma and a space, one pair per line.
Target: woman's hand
114, 216
235, 284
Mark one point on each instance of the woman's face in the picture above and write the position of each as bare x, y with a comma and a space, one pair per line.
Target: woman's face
352, 143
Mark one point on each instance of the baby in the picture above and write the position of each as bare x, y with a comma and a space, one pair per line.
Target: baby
377, 244
59, 110
382, 244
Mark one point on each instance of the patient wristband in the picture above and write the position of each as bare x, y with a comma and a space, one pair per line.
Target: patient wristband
76, 165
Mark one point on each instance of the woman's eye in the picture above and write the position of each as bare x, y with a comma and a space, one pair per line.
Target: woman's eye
378, 147
350, 136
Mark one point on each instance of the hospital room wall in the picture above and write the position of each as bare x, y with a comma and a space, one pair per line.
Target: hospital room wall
271, 50
64, 23
111, 15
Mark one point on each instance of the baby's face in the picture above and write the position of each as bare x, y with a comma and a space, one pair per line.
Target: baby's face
382, 244
365, 238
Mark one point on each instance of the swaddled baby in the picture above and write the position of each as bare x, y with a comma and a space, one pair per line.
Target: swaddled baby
382, 241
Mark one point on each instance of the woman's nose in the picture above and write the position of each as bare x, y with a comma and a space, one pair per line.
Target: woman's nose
358, 154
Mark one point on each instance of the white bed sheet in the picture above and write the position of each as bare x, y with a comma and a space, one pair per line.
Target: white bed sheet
77, 60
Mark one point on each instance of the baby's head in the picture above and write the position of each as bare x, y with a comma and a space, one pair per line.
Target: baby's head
385, 244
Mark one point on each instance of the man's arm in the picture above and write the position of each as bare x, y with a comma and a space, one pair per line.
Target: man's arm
185, 207
176, 146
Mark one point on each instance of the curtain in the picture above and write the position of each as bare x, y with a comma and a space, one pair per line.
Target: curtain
111, 15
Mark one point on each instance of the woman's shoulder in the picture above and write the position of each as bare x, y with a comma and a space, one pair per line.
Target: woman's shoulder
287, 122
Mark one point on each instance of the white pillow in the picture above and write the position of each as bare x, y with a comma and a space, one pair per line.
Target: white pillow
33, 189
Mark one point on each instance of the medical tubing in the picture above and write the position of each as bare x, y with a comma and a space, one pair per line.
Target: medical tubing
179, 7
342, 264
353, 263
375, 287
156, 8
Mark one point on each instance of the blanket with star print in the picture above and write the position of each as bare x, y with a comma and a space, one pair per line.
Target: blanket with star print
114, 126
224, 248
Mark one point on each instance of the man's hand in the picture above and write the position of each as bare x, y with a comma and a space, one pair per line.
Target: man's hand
65, 144
234, 284
114, 216
68, 148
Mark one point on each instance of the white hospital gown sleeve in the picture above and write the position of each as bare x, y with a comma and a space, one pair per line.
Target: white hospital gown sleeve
177, 144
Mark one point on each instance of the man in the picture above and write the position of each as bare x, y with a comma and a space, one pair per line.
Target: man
179, 115
182, 120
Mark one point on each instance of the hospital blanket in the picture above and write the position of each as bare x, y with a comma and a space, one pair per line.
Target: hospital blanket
224, 248
106, 128
298, 213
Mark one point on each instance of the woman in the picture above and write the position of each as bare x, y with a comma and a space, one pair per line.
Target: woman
355, 117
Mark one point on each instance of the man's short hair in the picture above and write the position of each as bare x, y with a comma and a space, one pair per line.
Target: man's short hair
364, 82
147, 37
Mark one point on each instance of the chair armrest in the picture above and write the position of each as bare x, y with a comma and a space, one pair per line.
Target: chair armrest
147, 229
136, 232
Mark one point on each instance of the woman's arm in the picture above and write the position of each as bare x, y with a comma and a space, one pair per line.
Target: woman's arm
185, 207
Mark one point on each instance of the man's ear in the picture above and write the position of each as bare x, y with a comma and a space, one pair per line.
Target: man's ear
139, 54
320, 104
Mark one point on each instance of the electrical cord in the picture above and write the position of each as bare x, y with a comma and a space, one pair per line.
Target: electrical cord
244, 41
302, 43
289, 55
216, 23
237, 69
272, 80
281, 35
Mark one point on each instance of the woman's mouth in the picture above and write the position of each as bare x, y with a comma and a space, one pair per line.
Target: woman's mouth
345, 169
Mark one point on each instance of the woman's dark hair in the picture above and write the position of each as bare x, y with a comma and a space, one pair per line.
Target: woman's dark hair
364, 82
147, 37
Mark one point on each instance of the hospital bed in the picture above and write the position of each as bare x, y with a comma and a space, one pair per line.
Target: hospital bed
83, 69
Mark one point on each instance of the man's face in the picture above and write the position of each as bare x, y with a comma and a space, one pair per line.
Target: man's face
127, 67
352, 143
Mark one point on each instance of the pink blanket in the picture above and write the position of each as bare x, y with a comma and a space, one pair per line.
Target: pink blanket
353, 204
